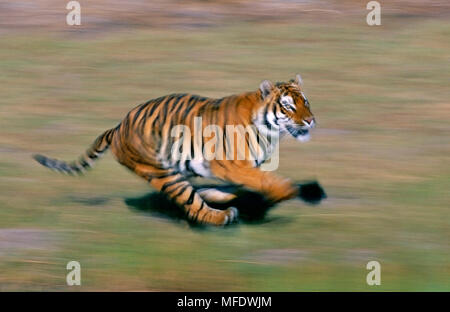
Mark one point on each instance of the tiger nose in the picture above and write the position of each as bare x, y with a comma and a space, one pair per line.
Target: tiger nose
310, 121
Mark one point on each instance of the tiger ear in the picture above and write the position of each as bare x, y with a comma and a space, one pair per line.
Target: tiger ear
299, 80
266, 87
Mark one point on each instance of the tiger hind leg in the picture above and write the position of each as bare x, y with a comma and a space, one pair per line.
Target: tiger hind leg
181, 191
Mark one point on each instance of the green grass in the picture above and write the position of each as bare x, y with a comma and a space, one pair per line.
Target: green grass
380, 95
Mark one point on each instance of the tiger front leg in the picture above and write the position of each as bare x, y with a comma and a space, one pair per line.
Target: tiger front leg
274, 187
213, 195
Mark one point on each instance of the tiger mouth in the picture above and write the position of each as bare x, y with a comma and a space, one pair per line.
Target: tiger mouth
296, 131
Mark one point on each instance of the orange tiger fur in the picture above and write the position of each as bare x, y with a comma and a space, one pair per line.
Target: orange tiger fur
142, 142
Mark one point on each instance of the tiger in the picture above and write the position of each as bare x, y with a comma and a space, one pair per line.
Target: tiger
142, 142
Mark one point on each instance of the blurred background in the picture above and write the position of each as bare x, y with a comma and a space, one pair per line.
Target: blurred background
381, 149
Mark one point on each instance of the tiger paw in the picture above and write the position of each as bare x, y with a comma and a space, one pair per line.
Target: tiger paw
218, 217
231, 215
312, 192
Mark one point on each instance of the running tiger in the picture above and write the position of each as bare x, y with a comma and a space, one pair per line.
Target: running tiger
144, 139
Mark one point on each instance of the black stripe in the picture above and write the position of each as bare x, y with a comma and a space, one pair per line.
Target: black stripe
92, 156
189, 107
168, 184
175, 188
84, 163
274, 111
182, 190
138, 112
191, 198
198, 211
166, 175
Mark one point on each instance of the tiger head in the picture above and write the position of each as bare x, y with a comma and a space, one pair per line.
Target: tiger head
287, 108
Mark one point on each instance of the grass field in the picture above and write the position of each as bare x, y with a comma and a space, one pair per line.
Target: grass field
381, 151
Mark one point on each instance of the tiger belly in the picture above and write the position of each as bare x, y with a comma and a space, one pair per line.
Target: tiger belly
200, 167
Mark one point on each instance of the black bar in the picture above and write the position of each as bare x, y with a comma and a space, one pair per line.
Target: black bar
224, 301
